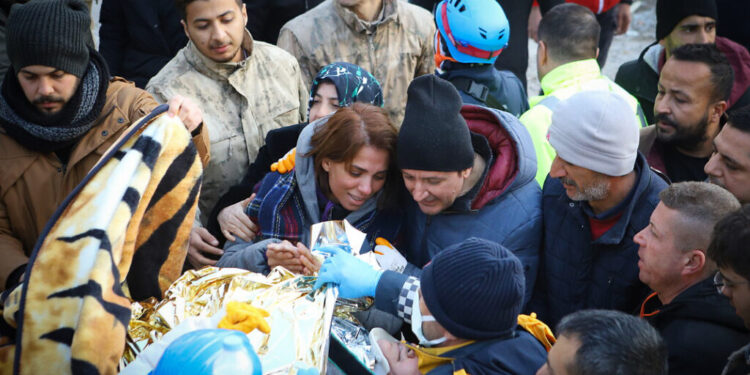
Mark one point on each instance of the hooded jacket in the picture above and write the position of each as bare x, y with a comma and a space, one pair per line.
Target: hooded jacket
504, 206
698, 321
640, 77
396, 48
286, 206
579, 273
240, 101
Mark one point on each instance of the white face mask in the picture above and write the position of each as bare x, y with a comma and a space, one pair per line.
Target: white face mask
416, 327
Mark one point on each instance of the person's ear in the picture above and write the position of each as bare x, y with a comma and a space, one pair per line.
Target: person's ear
185, 28
695, 262
541, 52
326, 164
466, 172
244, 14
717, 110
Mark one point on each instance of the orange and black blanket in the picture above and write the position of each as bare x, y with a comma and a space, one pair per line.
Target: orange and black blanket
121, 235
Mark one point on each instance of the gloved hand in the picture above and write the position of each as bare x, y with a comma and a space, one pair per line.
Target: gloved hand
388, 257
354, 277
286, 163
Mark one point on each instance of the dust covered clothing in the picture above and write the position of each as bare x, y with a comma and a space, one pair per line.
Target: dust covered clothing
240, 101
395, 48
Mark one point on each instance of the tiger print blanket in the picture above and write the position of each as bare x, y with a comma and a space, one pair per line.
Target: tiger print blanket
121, 234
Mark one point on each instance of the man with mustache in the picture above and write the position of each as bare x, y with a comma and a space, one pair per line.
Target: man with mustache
60, 111
693, 93
600, 192
245, 88
729, 165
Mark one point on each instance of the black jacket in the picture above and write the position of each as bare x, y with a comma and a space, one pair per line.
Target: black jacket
699, 327
139, 37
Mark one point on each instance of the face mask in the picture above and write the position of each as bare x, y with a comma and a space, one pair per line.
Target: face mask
416, 327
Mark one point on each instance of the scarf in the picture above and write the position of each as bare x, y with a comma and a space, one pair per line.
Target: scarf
48, 133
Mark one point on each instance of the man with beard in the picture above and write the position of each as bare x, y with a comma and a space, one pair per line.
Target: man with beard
729, 165
59, 113
245, 87
693, 91
600, 193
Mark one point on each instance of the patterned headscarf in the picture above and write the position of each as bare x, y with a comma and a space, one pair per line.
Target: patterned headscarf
353, 84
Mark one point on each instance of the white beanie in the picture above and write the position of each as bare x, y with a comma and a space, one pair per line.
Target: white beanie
596, 130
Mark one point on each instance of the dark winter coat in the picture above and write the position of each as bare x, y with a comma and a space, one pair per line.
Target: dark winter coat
577, 273
699, 327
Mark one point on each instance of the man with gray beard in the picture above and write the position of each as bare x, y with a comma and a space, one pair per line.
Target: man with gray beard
600, 192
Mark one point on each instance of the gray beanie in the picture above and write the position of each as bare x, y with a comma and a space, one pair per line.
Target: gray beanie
596, 130
52, 33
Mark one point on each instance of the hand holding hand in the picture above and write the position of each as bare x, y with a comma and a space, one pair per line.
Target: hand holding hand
233, 221
284, 254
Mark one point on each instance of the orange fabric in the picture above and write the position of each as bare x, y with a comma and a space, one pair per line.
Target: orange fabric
643, 313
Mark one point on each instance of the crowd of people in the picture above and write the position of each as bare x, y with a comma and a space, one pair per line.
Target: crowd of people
609, 210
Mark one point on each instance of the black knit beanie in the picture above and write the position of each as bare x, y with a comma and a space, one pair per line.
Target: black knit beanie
434, 136
51, 33
474, 289
670, 12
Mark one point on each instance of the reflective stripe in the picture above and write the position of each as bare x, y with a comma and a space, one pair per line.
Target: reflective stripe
550, 102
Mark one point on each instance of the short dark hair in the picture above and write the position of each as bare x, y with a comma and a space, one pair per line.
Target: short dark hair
182, 6
722, 74
570, 32
739, 118
728, 246
613, 342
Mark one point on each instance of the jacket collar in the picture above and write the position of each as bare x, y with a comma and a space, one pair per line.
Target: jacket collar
389, 13
213, 69
617, 233
570, 74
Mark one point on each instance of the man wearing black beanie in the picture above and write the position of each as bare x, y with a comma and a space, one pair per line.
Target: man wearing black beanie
680, 22
464, 310
470, 171
59, 112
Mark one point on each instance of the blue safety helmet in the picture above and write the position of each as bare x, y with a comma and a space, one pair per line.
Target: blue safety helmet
197, 352
475, 31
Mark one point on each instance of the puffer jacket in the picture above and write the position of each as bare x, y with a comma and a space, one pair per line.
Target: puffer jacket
505, 206
577, 273
32, 184
395, 50
286, 206
698, 320
487, 86
240, 101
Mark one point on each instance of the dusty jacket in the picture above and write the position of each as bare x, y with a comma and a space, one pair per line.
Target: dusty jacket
241, 102
395, 49
32, 185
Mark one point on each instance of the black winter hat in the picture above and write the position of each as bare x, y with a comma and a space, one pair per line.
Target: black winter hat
474, 289
50, 33
433, 135
670, 12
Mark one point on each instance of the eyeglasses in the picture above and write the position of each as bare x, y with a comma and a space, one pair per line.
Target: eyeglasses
720, 283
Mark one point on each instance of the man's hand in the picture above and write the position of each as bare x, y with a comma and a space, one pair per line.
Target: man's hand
533, 28
186, 110
202, 242
354, 277
284, 254
400, 357
234, 221
310, 263
623, 18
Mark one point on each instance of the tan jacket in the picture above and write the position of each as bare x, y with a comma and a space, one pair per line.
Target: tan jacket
32, 185
241, 102
395, 49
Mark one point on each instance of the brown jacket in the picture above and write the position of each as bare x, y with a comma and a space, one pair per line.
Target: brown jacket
395, 49
32, 185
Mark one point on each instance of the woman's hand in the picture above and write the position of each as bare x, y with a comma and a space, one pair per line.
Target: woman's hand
310, 263
284, 254
233, 221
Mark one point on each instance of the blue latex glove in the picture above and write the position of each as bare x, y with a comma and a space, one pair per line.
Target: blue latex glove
354, 277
